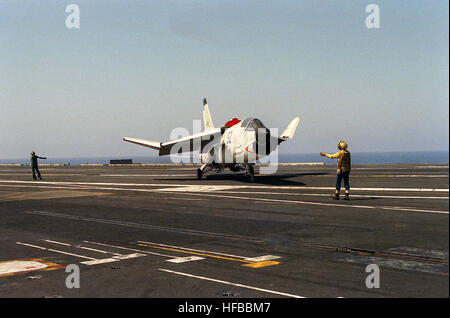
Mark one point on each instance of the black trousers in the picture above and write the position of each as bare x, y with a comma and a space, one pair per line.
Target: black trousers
36, 169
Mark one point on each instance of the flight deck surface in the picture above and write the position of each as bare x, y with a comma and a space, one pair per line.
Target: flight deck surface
159, 232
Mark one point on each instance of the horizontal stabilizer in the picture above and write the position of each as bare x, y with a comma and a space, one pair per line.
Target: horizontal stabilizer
146, 143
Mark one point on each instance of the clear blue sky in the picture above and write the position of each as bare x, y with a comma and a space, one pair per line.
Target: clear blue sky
141, 68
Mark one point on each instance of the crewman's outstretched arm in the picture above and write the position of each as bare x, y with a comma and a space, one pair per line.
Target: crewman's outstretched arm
336, 155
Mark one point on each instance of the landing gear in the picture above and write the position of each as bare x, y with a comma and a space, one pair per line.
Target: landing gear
250, 173
199, 174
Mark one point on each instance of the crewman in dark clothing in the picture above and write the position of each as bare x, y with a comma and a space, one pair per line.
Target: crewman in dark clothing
34, 165
343, 169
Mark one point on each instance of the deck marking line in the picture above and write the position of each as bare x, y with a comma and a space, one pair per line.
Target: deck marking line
353, 195
21, 266
263, 258
128, 256
131, 249
295, 202
145, 226
91, 260
82, 247
194, 253
99, 261
234, 186
185, 259
249, 263
232, 284
191, 249
240, 192
408, 209
56, 251
261, 264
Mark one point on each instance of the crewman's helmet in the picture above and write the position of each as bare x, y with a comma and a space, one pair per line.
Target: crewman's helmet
32, 153
342, 145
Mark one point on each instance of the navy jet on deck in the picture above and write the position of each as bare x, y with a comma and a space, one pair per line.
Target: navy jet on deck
236, 145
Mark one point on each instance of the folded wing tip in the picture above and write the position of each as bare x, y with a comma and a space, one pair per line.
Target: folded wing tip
146, 143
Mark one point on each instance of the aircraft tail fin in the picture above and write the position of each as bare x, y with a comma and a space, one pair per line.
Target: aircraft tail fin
289, 132
207, 119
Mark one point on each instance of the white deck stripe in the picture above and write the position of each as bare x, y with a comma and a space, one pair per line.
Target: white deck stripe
180, 260
57, 251
390, 167
82, 247
128, 256
146, 175
100, 261
192, 250
17, 266
188, 199
55, 242
252, 259
263, 258
233, 284
394, 208
96, 250
91, 261
94, 183
239, 192
30, 245
231, 186
410, 209
352, 195
131, 249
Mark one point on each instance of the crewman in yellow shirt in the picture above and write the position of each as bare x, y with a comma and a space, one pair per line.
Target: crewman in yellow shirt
343, 169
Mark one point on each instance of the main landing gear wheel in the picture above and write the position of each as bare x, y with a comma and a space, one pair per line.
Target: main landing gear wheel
250, 173
199, 174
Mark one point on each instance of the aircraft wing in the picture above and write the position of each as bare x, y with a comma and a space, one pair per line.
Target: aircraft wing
289, 132
142, 142
186, 144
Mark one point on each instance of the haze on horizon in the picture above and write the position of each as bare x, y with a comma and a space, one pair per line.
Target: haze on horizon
141, 69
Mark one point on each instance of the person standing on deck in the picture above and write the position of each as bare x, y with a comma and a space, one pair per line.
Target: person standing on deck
34, 165
343, 169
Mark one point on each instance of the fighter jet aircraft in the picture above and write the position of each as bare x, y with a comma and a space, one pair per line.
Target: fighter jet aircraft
235, 145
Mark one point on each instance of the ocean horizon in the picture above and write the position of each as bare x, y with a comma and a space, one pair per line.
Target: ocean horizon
397, 157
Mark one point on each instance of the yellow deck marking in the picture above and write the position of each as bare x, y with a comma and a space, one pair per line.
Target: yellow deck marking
195, 253
247, 262
261, 264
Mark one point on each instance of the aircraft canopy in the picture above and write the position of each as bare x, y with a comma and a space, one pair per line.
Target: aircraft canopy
252, 124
